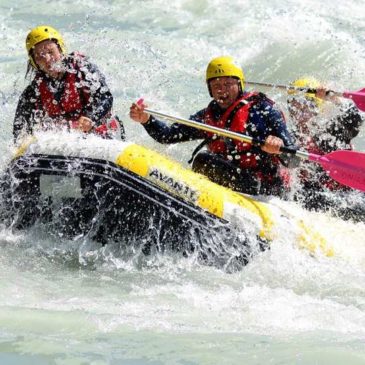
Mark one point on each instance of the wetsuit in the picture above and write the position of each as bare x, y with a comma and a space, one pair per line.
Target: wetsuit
335, 134
92, 98
229, 167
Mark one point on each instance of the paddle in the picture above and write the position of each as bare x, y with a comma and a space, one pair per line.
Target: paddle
358, 97
346, 167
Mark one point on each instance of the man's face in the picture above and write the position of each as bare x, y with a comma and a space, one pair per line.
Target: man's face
47, 56
225, 90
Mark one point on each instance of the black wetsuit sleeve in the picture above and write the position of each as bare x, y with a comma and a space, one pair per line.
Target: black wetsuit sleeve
164, 133
24, 114
267, 120
100, 101
279, 129
341, 130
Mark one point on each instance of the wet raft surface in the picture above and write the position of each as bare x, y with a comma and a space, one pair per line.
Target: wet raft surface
76, 197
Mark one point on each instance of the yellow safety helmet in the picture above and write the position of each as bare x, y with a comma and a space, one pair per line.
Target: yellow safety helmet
40, 34
310, 83
224, 66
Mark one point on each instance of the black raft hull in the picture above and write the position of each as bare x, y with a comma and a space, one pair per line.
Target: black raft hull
77, 197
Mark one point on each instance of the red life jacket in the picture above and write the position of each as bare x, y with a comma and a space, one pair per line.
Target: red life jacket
72, 101
237, 123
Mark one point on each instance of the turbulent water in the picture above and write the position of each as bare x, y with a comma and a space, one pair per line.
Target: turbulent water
70, 302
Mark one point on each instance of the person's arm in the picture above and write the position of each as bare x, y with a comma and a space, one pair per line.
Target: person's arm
161, 131
340, 130
24, 114
270, 127
280, 130
277, 126
100, 101
345, 126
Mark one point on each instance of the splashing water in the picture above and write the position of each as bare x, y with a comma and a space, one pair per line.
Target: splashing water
72, 302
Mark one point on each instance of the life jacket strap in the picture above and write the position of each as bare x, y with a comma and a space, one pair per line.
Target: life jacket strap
214, 136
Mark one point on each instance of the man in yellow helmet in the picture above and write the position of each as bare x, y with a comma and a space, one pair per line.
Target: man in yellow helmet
65, 91
238, 165
322, 123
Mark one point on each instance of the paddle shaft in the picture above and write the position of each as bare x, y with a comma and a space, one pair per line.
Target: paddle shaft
346, 167
224, 132
286, 87
358, 97
346, 94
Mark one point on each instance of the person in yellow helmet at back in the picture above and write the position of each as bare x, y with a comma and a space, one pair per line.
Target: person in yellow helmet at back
66, 90
237, 165
322, 123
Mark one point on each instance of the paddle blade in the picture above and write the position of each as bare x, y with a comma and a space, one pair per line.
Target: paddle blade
346, 167
358, 97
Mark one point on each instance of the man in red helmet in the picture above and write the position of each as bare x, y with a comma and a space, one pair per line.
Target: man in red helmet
66, 91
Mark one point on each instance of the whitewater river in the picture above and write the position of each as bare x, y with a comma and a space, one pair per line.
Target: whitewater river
69, 302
